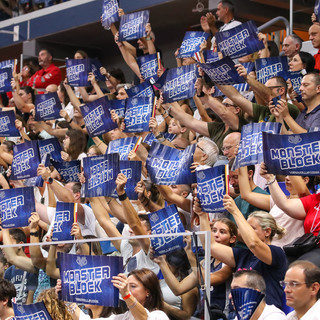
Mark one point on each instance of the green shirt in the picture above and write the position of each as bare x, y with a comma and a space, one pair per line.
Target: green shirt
217, 131
262, 113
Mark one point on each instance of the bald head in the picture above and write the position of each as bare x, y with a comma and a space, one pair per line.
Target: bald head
314, 35
230, 142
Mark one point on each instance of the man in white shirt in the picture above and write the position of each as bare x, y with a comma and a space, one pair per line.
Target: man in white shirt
302, 288
253, 280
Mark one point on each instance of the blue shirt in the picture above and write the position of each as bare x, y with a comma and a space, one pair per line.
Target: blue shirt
272, 274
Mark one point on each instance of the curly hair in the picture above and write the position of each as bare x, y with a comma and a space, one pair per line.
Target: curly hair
55, 307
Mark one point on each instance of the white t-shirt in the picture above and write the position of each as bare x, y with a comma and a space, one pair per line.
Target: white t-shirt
312, 314
143, 260
232, 24
294, 227
270, 312
154, 315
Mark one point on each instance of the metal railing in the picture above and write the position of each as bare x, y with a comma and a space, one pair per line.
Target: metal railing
206, 234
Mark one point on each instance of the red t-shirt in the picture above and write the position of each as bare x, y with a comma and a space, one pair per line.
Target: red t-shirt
44, 77
317, 58
311, 205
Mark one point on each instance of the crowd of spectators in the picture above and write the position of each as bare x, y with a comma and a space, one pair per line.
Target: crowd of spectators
246, 240
13, 8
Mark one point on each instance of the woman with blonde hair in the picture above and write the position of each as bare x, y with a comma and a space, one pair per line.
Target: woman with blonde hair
257, 233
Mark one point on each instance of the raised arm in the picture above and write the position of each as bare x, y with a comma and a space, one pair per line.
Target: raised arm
104, 220
263, 91
282, 108
51, 267
233, 94
258, 200
35, 252
174, 198
21, 262
186, 119
292, 207
130, 213
259, 248
219, 251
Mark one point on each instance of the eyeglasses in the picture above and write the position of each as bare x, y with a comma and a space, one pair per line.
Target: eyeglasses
228, 105
201, 149
274, 87
291, 284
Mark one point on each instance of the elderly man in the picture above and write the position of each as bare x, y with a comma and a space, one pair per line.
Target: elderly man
48, 74
302, 289
291, 45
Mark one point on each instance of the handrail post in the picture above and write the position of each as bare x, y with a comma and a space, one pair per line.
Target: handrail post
207, 257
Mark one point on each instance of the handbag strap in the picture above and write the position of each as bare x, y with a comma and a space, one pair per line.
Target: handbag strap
202, 283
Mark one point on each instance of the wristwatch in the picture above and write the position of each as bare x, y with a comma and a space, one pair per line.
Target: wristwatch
49, 181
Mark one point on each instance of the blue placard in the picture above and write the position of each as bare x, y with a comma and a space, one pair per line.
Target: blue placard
210, 56
294, 154
317, 10
239, 41
122, 146
296, 79
167, 166
133, 25
166, 220
222, 72
143, 89
246, 301
132, 170
148, 65
119, 106
47, 106
16, 206
35, 311
68, 170
267, 68
178, 83
51, 146
87, 279
191, 43
110, 13
97, 117
7, 124
101, 174
211, 186
150, 137
95, 69
138, 114
251, 148
26, 159
5, 79
77, 72
7, 64
63, 220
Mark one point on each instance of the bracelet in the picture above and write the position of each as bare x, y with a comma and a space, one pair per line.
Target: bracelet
127, 296
109, 201
148, 38
99, 144
163, 139
159, 136
271, 182
71, 307
34, 234
168, 110
133, 305
123, 197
